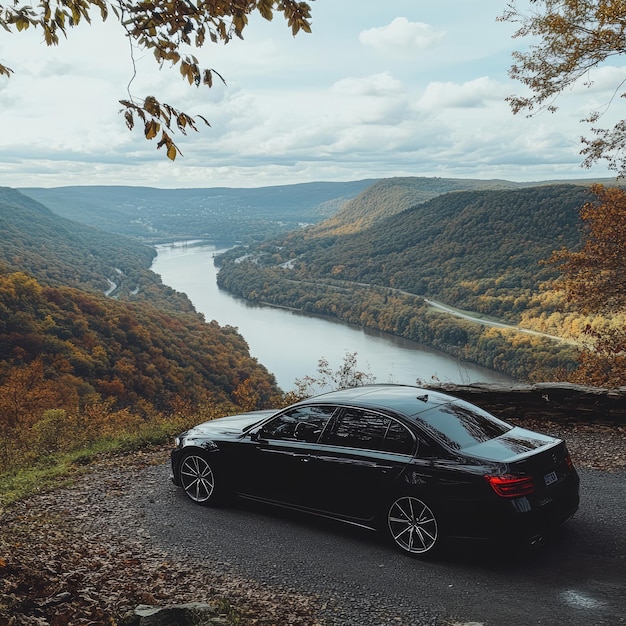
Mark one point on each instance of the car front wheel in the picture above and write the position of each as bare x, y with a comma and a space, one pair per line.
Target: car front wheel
197, 478
412, 525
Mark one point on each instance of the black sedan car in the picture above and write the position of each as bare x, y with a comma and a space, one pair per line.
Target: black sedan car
420, 465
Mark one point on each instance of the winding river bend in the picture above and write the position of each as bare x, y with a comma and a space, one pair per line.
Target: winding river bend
290, 344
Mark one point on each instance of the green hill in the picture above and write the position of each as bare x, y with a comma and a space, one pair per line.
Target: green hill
146, 349
391, 196
61, 252
478, 250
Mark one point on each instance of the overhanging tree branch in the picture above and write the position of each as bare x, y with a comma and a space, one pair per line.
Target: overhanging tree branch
162, 27
574, 37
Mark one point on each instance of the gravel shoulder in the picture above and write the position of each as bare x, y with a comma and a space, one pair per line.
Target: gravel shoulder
84, 554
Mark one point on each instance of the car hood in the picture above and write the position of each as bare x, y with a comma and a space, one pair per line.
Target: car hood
232, 424
513, 445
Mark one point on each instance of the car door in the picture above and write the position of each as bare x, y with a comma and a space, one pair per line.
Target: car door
272, 463
359, 457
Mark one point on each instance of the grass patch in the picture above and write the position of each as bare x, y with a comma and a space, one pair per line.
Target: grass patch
61, 469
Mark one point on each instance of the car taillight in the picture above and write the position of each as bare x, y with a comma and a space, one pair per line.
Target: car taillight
511, 486
568, 460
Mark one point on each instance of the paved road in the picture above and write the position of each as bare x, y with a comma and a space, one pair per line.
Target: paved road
486, 322
578, 579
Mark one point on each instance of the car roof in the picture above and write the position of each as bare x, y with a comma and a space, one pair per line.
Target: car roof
405, 399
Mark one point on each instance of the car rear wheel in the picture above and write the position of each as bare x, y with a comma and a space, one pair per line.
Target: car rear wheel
197, 478
412, 525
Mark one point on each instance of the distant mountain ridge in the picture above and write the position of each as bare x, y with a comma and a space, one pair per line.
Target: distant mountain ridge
231, 215
218, 213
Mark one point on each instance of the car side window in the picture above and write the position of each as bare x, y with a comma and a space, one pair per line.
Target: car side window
359, 428
300, 424
398, 439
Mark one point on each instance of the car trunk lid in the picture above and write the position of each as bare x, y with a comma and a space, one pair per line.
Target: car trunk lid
519, 446
535, 469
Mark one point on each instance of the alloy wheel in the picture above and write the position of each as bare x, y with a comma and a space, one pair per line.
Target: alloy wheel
412, 525
197, 478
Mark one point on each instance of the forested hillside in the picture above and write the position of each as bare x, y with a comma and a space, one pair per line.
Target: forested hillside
59, 252
76, 362
481, 251
93, 348
478, 250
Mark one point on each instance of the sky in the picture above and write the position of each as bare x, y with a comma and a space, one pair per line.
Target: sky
377, 90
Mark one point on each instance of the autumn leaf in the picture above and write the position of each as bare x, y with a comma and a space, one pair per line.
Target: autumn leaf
151, 129
22, 23
130, 121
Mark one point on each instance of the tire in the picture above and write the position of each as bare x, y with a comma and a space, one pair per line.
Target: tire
197, 478
412, 526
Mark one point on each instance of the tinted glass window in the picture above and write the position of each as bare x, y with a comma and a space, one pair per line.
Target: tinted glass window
460, 424
301, 424
358, 428
399, 439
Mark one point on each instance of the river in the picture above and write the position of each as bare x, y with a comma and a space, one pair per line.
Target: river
290, 344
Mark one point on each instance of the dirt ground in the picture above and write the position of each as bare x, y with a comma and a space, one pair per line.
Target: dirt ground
58, 568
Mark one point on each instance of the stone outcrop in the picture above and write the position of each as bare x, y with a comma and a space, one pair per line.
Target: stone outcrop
192, 614
562, 402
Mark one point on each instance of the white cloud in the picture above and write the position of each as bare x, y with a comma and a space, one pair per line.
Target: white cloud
402, 36
374, 85
351, 100
602, 79
472, 94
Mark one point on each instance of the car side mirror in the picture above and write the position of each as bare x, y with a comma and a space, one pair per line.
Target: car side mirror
258, 434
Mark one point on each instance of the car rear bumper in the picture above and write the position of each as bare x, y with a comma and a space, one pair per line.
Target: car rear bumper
513, 519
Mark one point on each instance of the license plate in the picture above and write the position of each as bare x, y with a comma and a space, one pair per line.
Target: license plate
550, 478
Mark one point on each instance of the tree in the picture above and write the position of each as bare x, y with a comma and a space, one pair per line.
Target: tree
574, 37
346, 375
164, 27
595, 281
595, 276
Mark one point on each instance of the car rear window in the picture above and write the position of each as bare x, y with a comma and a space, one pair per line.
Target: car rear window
460, 424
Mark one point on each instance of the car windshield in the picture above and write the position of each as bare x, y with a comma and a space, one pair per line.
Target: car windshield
460, 424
